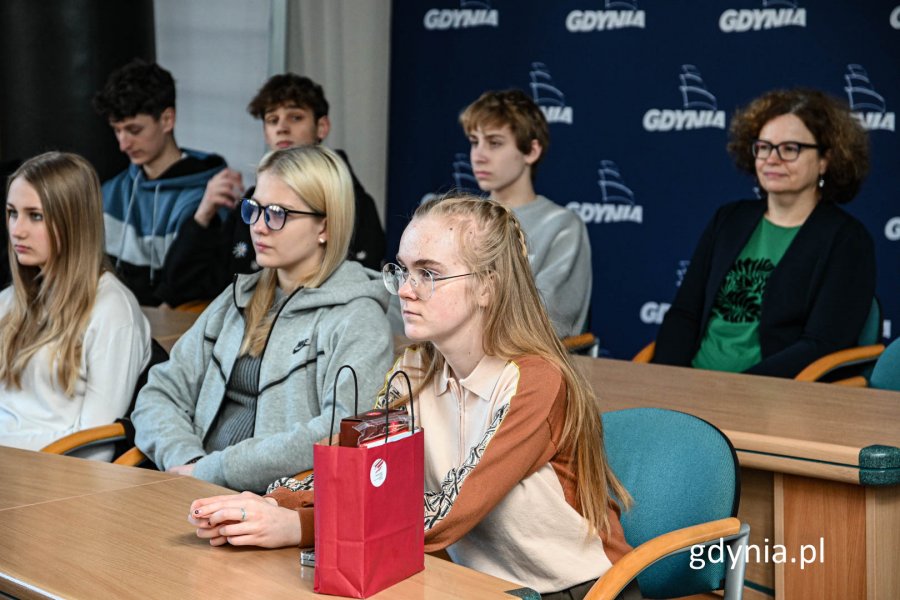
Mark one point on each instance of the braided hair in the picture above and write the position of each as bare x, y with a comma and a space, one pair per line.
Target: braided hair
494, 247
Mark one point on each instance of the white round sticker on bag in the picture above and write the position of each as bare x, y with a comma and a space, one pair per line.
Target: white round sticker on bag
378, 472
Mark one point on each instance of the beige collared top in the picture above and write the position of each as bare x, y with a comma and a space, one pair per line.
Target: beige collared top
500, 494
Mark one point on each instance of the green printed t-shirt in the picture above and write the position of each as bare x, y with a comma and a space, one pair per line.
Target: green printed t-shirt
731, 341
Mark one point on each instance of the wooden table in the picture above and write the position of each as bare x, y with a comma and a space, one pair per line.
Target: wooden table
818, 461
73, 528
167, 325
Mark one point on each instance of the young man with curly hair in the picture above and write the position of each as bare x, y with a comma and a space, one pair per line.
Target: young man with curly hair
211, 249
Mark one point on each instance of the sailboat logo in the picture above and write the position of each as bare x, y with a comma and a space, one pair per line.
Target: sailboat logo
550, 99
463, 179
617, 203
681, 271
463, 176
693, 91
867, 105
700, 107
612, 186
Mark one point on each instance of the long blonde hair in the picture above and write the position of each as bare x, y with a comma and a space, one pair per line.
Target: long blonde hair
321, 179
52, 304
515, 324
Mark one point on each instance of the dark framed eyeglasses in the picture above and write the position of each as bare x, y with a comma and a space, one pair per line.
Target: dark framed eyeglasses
395, 276
787, 151
275, 216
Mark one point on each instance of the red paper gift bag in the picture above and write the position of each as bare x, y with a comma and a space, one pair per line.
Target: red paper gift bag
369, 517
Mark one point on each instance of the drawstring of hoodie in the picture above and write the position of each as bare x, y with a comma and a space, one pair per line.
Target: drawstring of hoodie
134, 186
155, 264
153, 237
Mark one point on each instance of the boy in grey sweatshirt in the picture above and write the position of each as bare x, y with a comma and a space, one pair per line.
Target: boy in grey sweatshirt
509, 135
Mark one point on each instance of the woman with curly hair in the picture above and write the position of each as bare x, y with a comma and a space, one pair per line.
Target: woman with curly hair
776, 283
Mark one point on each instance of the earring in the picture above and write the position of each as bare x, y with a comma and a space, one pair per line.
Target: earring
821, 181
322, 240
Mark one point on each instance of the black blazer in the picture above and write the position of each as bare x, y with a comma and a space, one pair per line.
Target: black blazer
815, 302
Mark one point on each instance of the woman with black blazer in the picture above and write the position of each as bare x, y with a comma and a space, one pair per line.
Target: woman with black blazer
776, 283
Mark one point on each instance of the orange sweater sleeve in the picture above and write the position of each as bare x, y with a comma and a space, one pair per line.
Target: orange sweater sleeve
302, 502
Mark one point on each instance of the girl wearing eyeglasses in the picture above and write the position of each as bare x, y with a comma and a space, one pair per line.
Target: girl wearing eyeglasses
516, 481
249, 387
776, 283
73, 340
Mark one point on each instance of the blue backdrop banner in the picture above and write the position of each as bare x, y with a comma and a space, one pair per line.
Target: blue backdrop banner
639, 95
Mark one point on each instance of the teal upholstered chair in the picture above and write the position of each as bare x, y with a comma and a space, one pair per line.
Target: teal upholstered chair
851, 366
886, 374
683, 475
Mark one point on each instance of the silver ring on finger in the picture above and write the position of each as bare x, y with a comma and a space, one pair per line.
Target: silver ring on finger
243, 515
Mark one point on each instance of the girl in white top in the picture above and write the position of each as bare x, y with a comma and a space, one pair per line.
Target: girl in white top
73, 340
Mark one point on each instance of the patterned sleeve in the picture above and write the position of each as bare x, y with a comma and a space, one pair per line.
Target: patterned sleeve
439, 503
522, 437
297, 495
292, 484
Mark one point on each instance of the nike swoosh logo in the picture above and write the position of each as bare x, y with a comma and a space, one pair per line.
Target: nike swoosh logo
300, 345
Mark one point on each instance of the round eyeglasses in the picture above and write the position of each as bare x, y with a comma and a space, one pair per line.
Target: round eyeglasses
275, 216
422, 283
787, 151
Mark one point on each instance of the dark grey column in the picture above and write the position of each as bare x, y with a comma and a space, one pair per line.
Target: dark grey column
54, 55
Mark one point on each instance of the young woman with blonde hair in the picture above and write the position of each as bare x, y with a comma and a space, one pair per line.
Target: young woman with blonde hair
73, 340
516, 481
249, 387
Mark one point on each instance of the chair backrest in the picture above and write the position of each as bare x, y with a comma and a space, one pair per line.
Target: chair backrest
872, 329
158, 354
681, 471
886, 374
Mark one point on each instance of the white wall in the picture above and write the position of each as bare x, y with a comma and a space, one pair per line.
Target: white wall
344, 45
218, 53
221, 51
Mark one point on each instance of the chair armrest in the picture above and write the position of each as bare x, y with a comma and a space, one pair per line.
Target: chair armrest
816, 369
131, 458
194, 306
630, 565
574, 343
858, 381
646, 353
64, 445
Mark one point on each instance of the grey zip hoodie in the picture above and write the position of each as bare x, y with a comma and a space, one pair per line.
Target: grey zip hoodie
315, 333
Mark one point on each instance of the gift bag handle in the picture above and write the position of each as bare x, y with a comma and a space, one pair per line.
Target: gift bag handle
412, 409
334, 400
